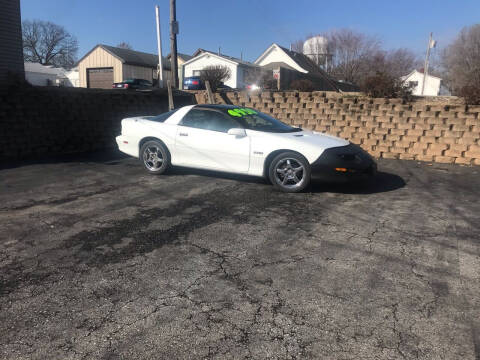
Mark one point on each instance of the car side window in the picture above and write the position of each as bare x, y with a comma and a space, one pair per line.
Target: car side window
209, 119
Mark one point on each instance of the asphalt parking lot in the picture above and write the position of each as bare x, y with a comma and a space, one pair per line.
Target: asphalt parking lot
99, 260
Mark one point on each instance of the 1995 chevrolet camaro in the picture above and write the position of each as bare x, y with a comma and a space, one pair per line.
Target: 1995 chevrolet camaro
243, 141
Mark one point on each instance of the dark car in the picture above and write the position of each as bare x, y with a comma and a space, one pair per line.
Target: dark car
133, 84
193, 83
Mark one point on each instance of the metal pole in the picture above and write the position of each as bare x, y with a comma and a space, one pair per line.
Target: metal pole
425, 68
173, 42
159, 44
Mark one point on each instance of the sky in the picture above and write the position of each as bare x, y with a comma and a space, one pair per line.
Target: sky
250, 26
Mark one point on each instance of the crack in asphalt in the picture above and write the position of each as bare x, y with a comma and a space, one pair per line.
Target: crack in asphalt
303, 282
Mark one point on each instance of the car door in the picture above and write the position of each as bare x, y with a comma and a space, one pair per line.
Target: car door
202, 142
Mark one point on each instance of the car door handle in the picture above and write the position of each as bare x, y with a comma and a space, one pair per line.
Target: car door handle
183, 134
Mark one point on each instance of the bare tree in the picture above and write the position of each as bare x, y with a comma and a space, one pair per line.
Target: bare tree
462, 60
401, 62
216, 75
125, 45
351, 53
394, 63
48, 44
297, 46
353, 57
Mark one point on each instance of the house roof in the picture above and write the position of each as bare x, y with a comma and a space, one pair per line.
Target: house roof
420, 71
43, 69
185, 57
231, 58
199, 51
131, 57
300, 59
305, 63
224, 57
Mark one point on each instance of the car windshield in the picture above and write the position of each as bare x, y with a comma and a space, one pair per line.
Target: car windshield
256, 120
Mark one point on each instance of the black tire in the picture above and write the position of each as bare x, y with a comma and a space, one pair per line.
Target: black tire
289, 172
155, 157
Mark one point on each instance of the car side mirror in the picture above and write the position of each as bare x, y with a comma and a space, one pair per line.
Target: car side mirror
239, 133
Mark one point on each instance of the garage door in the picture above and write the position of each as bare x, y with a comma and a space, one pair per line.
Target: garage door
101, 78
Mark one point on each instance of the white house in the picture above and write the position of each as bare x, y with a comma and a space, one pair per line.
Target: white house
238, 68
47, 75
276, 54
433, 84
73, 78
291, 65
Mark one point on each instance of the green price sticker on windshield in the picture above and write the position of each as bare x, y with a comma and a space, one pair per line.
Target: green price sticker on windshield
239, 112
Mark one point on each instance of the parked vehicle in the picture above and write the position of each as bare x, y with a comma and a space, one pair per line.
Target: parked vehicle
242, 141
133, 84
193, 83
253, 87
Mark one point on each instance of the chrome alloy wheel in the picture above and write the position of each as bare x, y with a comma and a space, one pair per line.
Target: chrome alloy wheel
153, 158
289, 173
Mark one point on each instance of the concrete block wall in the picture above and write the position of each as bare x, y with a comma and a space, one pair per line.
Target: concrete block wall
39, 121
432, 129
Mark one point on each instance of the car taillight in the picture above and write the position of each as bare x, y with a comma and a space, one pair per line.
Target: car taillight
125, 86
113, 85
195, 82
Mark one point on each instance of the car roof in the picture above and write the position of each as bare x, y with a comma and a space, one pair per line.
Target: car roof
217, 106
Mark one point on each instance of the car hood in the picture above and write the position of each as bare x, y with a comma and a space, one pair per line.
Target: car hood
310, 138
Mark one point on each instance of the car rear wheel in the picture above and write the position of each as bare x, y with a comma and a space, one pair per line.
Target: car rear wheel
155, 157
290, 172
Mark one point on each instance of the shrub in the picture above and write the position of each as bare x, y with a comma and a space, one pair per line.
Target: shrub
216, 75
302, 85
471, 94
382, 85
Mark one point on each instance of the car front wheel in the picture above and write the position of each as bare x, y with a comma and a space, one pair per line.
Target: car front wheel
155, 157
290, 172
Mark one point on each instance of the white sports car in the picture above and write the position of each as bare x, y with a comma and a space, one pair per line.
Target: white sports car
242, 141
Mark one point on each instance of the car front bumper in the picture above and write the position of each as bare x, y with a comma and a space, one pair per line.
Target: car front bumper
343, 164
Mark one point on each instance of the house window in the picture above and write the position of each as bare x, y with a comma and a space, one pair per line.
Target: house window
413, 84
197, 72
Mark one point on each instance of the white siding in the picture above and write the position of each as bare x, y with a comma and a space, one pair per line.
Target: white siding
432, 84
203, 61
41, 79
73, 77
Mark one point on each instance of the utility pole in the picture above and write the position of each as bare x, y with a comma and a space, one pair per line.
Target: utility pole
173, 42
431, 45
159, 44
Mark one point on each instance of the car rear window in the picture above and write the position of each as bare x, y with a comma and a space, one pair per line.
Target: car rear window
161, 117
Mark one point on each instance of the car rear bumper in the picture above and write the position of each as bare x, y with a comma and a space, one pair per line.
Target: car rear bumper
343, 164
127, 145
